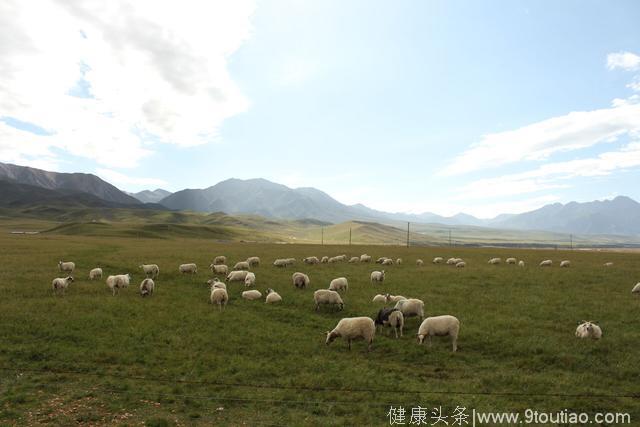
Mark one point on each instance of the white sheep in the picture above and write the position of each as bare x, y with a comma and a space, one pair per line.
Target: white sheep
380, 298
351, 328
636, 289
399, 261
237, 276
565, 264
220, 259
495, 261
377, 277
419, 262
608, 264
272, 297
387, 261
311, 260
438, 260
334, 259
146, 287
117, 282
188, 268
339, 284
327, 297
381, 260
300, 280
365, 258
411, 307
440, 326
150, 270
461, 264
253, 261
396, 321
95, 273
250, 279
394, 298
219, 296
452, 261
588, 329
324, 260
354, 260
215, 283
61, 284
252, 295
546, 263
241, 265
521, 263
219, 269
281, 263
66, 267
510, 261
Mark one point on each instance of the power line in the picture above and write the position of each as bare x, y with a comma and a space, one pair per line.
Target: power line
318, 389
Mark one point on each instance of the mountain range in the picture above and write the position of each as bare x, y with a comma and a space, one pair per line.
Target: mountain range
24, 186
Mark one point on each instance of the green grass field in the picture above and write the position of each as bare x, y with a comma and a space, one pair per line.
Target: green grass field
92, 359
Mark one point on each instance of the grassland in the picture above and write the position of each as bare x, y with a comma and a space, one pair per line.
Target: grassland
92, 359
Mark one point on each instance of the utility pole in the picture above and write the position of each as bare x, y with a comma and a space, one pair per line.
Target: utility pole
408, 233
322, 238
449, 237
349, 236
571, 241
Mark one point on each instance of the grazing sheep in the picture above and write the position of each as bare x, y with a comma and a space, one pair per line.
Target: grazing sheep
461, 264
495, 261
150, 270
411, 307
327, 297
252, 295
440, 326
380, 298
272, 297
520, 263
381, 260
300, 280
61, 284
215, 283
342, 257
354, 260
382, 317
284, 262
117, 282
365, 258
220, 259
95, 273
146, 287
396, 321
250, 279
510, 261
311, 260
66, 267
438, 260
253, 261
608, 264
565, 264
219, 269
339, 284
324, 260
387, 261
237, 276
546, 263
219, 296
334, 259
351, 328
452, 261
394, 298
241, 265
377, 277
188, 268
419, 262
588, 329
399, 261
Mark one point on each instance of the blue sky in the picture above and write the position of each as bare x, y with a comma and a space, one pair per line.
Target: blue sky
442, 106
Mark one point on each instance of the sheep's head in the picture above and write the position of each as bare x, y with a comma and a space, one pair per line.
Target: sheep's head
70, 279
269, 290
331, 336
420, 338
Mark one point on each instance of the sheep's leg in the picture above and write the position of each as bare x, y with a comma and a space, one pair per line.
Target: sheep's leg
349, 341
455, 344
395, 329
401, 326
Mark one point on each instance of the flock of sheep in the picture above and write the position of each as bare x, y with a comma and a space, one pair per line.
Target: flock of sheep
347, 328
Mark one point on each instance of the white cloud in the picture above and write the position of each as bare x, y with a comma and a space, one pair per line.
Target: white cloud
553, 175
155, 72
625, 60
539, 140
122, 179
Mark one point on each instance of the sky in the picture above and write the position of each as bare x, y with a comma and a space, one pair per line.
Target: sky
408, 106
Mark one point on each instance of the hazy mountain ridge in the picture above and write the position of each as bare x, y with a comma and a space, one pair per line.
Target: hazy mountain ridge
151, 196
